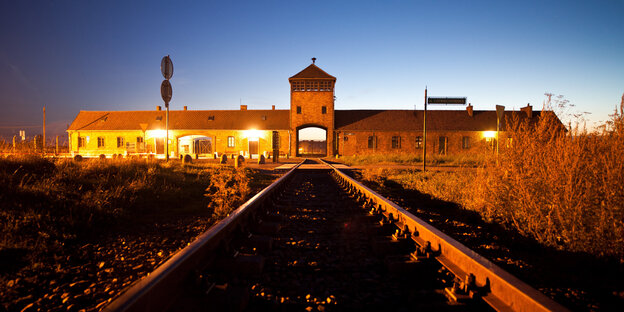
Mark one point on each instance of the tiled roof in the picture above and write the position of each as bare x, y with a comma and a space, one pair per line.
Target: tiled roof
312, 71
191, 120
412, 120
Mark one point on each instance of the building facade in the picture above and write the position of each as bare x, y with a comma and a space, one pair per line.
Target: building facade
251, 133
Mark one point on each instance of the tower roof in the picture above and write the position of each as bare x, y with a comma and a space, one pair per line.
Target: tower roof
312, 72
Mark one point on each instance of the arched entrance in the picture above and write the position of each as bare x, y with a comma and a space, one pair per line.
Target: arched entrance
311, 141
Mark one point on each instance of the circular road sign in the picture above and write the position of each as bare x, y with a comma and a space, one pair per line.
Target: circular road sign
166, 91
166, 67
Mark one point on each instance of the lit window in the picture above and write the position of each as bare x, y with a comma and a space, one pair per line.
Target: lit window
231, 141
100, 141
81, 142
120, 142
419, 142
465, 142
324, 110
396, 142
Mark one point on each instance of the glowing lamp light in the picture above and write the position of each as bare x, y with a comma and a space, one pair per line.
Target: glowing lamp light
158, 133
489, 134
252, 134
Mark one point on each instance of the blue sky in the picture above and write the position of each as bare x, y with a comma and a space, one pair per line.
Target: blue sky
105, 55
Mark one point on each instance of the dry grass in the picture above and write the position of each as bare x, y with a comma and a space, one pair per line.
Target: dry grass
562, 189
414, 159
49, 203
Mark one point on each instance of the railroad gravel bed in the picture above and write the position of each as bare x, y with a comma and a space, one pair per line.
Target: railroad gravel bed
576, 280
330, 254
88, 276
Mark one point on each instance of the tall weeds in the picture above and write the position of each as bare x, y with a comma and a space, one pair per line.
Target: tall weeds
564, 189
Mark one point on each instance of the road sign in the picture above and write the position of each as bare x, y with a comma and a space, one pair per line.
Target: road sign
166, 67
166, 91
446, 100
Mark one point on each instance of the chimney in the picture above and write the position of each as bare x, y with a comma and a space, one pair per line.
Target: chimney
158, 108
469, 110
243, 107
528, 110
272, 107
185, 107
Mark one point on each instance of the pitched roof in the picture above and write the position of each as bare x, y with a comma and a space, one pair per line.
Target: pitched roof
313, 72
412, 120
191, 120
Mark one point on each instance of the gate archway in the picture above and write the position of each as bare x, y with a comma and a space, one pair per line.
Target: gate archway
311, 141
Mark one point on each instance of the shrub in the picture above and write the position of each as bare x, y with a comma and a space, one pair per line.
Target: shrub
228, 188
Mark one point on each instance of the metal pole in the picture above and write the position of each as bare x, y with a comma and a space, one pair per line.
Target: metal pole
497, 130
167, 134
425, 133
44, 137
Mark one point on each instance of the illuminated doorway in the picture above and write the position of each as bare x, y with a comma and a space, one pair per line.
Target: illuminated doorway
311, 142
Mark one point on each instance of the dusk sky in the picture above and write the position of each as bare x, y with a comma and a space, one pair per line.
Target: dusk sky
105, 55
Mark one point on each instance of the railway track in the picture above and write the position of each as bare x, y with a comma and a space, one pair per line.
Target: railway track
317, 240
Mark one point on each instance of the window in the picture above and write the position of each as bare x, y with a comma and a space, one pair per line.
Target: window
210, 118
263, 117
419, 142
298, 109
139, 139
100, 141
465, 142
442, 146
231, 141
324, 110
371, 141
81, 142
311, 86
159, 118
120, 142
396, 142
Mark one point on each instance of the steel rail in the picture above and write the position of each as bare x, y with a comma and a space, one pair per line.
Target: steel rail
154, 292
505, 292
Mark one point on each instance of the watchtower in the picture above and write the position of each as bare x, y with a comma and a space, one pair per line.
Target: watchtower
312, 105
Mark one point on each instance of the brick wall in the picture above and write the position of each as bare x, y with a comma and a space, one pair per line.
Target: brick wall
311, 103
357, 142
219, 139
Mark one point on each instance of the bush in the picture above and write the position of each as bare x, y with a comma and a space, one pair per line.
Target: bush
228, 188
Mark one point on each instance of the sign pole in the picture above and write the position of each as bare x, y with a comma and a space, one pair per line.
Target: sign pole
500, 109
167, 132
44, 137
435, 100
166, 67
425, 133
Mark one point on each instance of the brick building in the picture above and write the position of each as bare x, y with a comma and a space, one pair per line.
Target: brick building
253, 132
